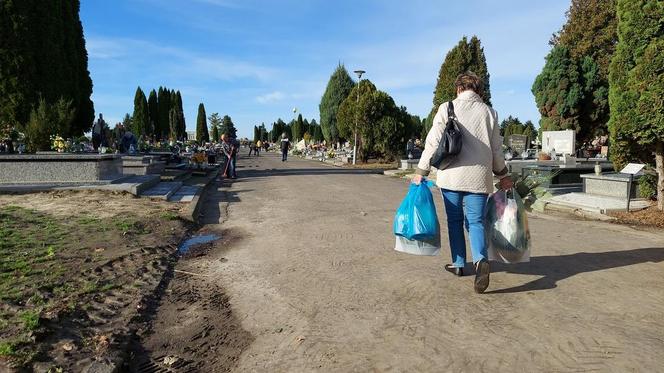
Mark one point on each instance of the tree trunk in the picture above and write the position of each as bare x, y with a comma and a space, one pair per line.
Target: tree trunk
659, 166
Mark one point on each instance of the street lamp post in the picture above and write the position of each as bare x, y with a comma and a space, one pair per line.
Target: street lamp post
359, 80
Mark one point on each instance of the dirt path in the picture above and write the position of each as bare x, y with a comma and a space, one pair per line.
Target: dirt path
306, 279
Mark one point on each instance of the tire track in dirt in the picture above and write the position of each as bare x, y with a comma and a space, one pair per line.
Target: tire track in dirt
194, 328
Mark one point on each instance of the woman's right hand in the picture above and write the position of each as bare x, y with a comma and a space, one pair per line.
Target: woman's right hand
417, 179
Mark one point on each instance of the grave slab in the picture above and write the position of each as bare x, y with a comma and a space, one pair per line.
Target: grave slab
53, 168
596, 203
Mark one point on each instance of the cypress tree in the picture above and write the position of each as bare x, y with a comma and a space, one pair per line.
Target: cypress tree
153, 110
228, 126
173, 119
182, 128
202, 134
141, 117
164, 106
338, 88
43, 56
636, 81
465, 56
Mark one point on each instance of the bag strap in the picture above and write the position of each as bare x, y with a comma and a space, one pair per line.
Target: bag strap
450, 110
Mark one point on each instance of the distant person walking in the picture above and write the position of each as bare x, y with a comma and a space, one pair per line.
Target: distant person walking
285, 145
259, 146
467, 181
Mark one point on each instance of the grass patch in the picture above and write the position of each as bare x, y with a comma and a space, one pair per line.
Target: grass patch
169, 215
30, 320
7, 349
130, 225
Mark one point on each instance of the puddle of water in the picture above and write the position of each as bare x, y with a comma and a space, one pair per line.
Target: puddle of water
196, 240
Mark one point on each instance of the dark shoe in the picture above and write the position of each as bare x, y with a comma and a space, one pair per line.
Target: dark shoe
482, 271
454, 270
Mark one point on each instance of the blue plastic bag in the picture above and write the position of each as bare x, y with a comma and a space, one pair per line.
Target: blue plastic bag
416, 217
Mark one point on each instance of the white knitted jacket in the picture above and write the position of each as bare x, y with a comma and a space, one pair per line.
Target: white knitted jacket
481, 153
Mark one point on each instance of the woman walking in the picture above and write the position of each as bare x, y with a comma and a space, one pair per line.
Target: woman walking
467, 181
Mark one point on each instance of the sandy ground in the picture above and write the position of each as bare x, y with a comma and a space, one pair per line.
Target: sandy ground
306, 279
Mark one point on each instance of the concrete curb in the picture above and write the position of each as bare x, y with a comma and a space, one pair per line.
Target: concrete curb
192, 210
586, 214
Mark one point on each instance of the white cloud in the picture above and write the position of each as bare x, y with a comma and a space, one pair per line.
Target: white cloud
171, 60
271, 97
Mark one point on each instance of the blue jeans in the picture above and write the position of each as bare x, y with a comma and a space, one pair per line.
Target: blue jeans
229, 166
474, 205
284, 155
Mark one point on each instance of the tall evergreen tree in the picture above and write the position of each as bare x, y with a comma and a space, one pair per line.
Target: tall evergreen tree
381, 125
590, 36
559, 91
215, 126
298, 128
228, 127
465, 56
257, 134
141, 117
164, 106
182, 127
173, 119
590, 30
636, 96
43, 56
153, 110
202, 134
338, 88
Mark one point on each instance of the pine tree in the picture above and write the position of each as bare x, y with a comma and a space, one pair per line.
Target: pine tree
465, 56
636, 81
153, 110
215, 126
202, 135
141, 117
338, 88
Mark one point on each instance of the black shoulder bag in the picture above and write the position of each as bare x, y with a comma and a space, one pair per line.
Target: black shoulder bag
450, 144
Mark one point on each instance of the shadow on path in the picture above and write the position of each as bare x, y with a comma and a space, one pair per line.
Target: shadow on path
303, 172
557, 268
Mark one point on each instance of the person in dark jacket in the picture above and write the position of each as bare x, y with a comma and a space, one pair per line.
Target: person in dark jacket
285, 145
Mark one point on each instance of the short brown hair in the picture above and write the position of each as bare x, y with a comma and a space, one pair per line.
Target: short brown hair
470, 80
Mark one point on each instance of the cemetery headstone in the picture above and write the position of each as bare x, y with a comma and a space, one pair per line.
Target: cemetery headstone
563, 142
518, 143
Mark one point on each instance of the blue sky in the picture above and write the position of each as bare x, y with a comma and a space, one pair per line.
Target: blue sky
257, 60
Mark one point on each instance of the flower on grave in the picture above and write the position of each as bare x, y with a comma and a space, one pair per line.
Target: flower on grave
198, 158
58, 143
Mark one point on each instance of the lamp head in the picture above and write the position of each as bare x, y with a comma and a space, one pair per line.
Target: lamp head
359, 73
